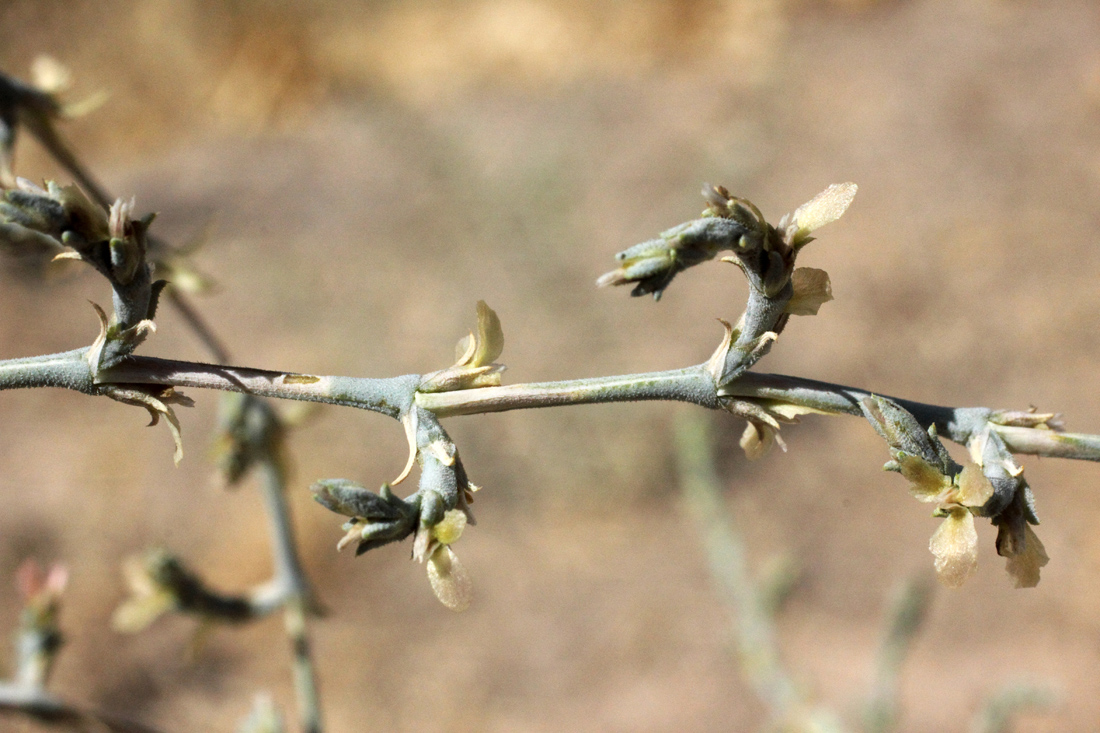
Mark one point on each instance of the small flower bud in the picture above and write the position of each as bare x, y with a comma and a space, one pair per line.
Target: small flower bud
377, 519
653, 264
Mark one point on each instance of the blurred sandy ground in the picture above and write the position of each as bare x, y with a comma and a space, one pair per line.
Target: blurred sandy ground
373, 169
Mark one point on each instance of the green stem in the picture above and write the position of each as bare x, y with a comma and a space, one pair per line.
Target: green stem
297, 597
758, 652
69, 369
693, 384
396, 395
391, 397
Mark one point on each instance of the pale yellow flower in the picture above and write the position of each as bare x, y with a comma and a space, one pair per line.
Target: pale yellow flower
448, 577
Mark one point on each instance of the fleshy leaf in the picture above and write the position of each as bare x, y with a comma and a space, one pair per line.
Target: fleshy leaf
955, 545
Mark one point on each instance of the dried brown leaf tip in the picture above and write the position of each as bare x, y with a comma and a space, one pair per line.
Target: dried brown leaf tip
476, 356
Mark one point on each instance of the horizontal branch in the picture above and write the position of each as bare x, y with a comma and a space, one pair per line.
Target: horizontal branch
394, 396
69, 370
955, 423
391, 397
1050, 443
693, 384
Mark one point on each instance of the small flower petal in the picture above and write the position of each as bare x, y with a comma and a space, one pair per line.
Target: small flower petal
974, 488
955, 545
928, 484
490, 336
757, 440
822, 209
1024, 566
811, 290
475, 365
450, 529
450, 581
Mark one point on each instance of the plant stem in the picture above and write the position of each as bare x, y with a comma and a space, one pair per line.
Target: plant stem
752, 615
391, 396
693, 384
298, 598
394, 396
305, 678
755, 631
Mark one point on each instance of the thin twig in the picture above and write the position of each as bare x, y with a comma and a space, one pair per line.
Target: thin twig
907, 614
750, 610
298, 599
